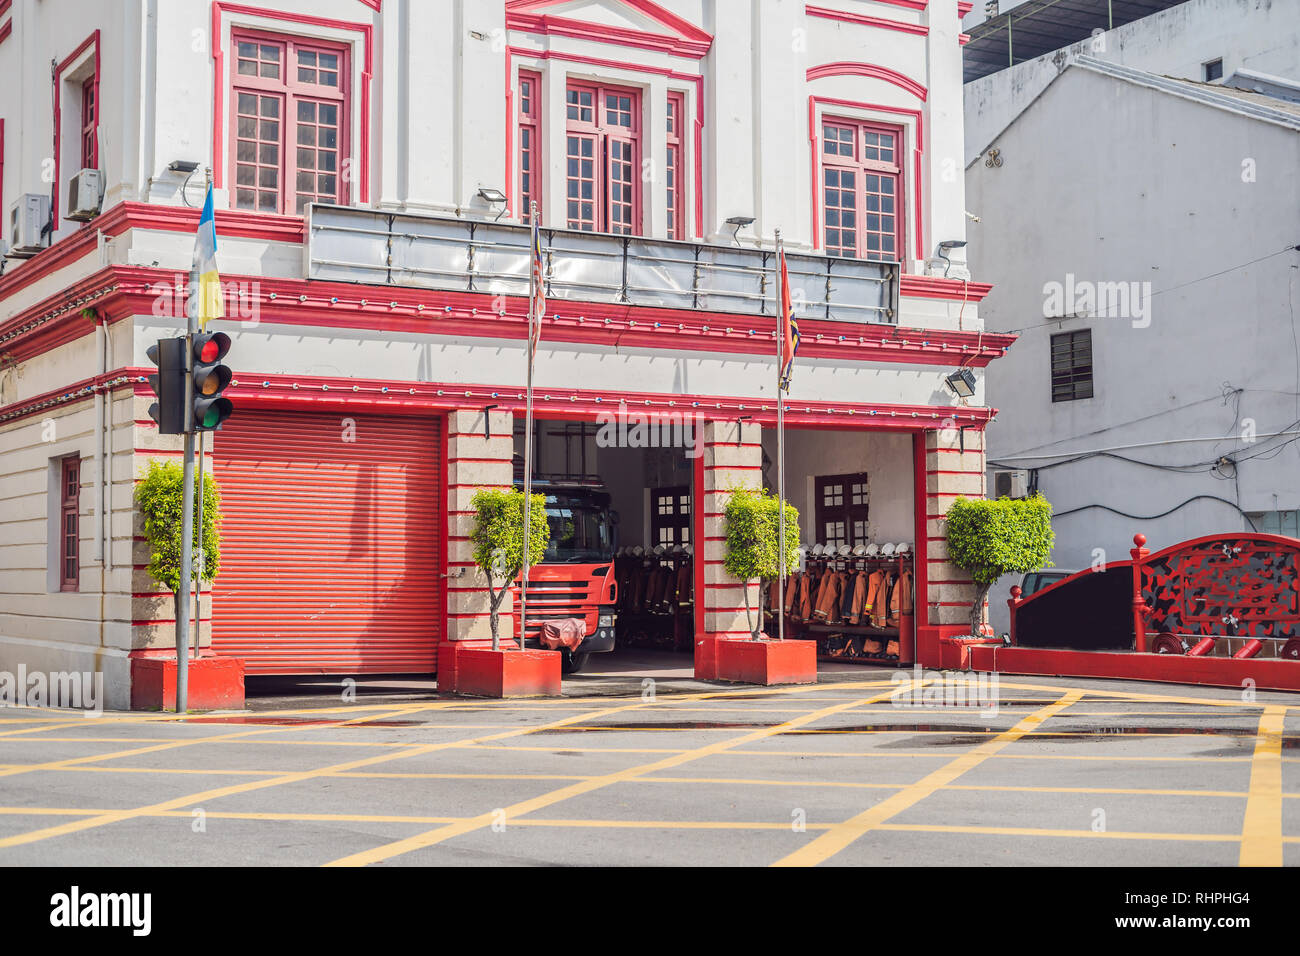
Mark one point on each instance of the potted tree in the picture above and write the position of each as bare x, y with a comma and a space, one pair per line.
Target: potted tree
753, 534
159, 498
215, 681
498, 539
992, 538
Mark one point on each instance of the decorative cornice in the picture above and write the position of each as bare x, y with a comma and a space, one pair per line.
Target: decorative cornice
121, 291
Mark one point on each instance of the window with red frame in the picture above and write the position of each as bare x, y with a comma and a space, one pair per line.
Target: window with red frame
530, 144
673, 167
862, 190
290, 118
69, 527
89, 124
603, 159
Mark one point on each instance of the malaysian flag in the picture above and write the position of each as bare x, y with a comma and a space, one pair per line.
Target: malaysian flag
789, 328
539, 294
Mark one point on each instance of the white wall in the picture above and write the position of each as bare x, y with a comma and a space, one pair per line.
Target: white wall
1246, 34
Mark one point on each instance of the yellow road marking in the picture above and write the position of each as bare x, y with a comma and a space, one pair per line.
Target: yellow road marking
432, 837
1054, 832
115, 816
73, 762
1261, 830
843, 834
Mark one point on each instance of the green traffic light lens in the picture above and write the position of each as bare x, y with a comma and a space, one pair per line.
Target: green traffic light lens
211, 417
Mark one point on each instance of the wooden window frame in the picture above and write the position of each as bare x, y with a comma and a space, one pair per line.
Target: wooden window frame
852, 509
1071, 378
531, 182
604, 137
90, 123
676, 153
676, 521
860, 166
70, 523
291, 91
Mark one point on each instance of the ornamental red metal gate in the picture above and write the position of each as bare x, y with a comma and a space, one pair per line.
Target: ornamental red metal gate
330, 543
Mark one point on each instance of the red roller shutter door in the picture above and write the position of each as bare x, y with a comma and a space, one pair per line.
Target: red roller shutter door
330, 543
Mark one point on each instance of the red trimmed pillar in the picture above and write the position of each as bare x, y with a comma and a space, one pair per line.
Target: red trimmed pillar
733, 458
951, 462
474, 461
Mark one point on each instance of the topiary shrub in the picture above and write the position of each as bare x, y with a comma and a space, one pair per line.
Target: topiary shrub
498, 539
993, 538
753, 533
159, 498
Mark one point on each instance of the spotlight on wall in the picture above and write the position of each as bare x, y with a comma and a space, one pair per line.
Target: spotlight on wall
961, 382
182, 166
492, 196
740, 222
945, 247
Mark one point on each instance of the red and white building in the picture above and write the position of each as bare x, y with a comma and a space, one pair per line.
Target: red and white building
376, 295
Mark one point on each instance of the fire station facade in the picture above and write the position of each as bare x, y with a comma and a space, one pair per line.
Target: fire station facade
374, 162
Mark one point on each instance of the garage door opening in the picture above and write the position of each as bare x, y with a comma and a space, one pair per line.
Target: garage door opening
621, 559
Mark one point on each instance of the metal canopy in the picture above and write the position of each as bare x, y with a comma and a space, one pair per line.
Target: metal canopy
349, 244
1041, 26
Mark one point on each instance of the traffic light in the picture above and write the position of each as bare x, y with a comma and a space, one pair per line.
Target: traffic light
168, 383
210, 379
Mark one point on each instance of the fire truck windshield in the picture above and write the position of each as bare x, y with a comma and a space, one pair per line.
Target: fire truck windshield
581, 530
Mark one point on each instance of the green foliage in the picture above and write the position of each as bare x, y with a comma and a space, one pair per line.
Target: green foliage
160, 500
498, 535
1006, 536
753, 533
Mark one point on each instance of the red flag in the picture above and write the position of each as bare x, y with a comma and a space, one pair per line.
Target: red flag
789, 328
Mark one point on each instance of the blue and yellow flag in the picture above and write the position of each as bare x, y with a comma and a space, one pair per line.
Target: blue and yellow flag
210, 303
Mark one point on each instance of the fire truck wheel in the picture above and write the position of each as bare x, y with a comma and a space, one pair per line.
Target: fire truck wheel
571, 663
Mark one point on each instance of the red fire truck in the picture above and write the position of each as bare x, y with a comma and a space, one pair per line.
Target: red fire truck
576, 577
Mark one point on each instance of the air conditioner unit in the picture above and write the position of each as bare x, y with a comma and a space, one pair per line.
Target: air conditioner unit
28, 218
1011, 484
85, 193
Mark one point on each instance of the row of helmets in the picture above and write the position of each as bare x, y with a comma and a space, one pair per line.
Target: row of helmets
659, 550
858, 550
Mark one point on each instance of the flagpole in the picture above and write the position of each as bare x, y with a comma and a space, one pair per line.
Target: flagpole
198, 578
782, 322
528, 423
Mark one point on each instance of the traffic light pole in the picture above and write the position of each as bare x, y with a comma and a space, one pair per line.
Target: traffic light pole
198, 576
187, 511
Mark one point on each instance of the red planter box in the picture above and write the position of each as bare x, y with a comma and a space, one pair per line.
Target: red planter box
483, 672
214, 683
766, 662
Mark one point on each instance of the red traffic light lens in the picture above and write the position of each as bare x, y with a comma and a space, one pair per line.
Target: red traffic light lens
209, 351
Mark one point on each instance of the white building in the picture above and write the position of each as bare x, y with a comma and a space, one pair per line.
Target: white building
386, 307
1215, 41
1144, 234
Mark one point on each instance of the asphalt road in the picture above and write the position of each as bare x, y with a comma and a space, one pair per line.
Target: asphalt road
1082, 773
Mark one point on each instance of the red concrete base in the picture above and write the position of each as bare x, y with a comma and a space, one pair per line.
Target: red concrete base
483, 672
1268, 674
213, 683
706, 657
766, 662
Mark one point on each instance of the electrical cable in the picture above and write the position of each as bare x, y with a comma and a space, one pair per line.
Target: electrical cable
1182, 504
